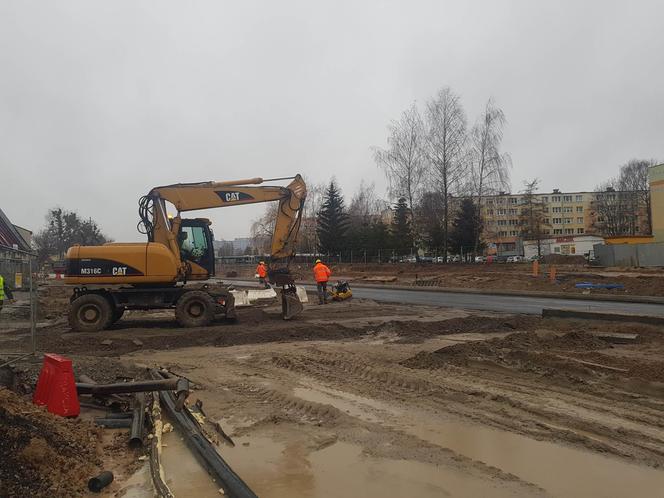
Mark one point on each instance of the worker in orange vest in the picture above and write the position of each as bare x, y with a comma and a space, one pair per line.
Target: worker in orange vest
322, 275
261, 271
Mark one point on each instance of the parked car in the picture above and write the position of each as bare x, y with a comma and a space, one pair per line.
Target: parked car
515, 259
456, 259
480, 259
500, 259
426, 259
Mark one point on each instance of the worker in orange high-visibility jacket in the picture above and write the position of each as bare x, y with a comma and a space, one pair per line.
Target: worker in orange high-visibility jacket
322, 275
261, 271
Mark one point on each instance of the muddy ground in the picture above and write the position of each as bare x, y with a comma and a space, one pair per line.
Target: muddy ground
515, 277
367, 399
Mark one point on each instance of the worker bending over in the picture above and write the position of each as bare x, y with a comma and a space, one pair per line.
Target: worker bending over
5, 292
322, 275
261, 271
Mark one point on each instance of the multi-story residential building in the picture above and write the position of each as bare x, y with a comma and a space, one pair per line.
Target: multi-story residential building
563, 214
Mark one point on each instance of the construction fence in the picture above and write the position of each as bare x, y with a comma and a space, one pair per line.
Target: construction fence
15, 268
630, 254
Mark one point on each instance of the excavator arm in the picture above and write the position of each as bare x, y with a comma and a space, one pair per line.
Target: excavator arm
206, 195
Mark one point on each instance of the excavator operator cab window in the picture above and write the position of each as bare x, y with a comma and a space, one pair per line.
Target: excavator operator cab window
195, 240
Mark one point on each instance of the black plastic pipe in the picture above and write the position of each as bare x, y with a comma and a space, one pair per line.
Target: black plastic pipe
118, 415
113, 423
178, 384
96, 484
137, 422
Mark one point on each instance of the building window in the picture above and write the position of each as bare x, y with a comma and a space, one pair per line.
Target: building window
568, 221
513, 200
557, 231
545, 210
555, 198
546, 221
489, 212
569, 231
501, 211
502, 234
567, 198
512, 211
557, 210
579, 220
568, 209
557, 221
580, 230
579, 198
579, 209
545, 199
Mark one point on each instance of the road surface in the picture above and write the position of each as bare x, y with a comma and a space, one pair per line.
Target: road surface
491, 302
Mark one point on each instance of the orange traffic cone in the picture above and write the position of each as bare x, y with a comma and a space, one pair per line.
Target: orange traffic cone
56, 387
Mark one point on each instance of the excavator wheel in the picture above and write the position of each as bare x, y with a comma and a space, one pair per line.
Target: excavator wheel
90, 313
195, 309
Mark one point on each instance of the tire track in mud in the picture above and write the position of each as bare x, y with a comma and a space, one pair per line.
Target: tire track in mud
493, 403
392, 443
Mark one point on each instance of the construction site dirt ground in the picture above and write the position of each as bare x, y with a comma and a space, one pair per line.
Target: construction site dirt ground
487, 277
367, 399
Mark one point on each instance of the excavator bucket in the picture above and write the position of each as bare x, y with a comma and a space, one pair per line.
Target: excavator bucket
290, 303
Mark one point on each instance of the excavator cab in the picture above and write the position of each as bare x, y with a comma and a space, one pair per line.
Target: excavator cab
196, 247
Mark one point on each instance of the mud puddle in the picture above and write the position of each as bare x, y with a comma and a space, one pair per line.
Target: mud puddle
280, 470
539, 462
184, 475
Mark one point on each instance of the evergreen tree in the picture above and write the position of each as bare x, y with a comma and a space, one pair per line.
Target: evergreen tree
465, 227
402, 232
332, 221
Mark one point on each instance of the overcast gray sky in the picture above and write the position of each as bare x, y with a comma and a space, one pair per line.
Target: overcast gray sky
99, 101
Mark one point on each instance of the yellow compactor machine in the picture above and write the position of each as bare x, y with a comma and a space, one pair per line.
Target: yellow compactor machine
170, 269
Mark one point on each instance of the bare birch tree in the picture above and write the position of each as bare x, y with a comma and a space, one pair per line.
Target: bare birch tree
262, 229
490, 167
446, 137
308, 237
403, 160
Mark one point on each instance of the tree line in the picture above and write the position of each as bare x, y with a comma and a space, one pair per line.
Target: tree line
62, 230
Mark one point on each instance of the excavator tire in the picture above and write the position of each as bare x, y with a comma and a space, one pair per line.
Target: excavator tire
195, 309
90, 313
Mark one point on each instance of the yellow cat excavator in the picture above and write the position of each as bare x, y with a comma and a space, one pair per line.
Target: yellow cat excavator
167, 271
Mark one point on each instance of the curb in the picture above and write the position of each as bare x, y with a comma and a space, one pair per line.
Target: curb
598, 315
502, 292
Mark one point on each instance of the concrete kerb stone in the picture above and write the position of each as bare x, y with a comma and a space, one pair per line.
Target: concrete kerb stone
598, 315
503, 292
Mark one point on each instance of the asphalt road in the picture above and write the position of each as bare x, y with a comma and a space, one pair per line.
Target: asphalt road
490, 302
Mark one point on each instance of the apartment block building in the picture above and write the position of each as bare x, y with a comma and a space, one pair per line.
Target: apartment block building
564, 214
